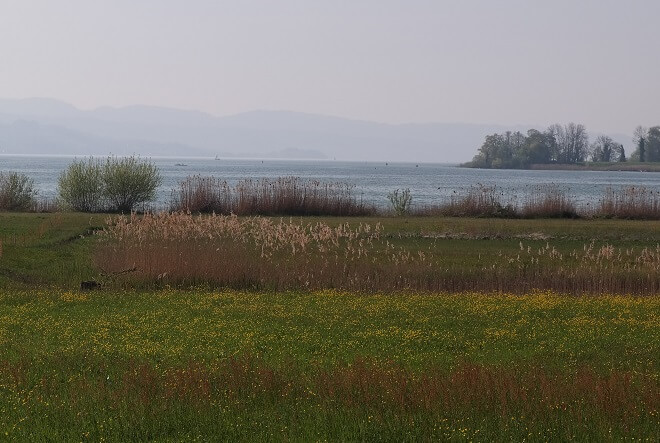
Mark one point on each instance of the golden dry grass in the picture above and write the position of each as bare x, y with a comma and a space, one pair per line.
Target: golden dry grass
256, 252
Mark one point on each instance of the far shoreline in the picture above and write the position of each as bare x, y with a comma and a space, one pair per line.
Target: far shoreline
616, 167
632, 167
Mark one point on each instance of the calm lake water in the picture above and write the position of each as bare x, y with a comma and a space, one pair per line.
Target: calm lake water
429, 183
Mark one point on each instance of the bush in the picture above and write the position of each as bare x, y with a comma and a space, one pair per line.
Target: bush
17, 192
400, 201
203, 195
80, 187
117, 185
128, 182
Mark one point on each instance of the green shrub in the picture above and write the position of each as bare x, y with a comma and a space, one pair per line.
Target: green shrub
400, 201
80, 187
128, 182
17, 192
117, 185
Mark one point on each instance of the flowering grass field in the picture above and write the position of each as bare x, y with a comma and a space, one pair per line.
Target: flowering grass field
327, 365
153, 357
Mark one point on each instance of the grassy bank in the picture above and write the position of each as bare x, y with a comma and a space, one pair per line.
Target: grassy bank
185, 365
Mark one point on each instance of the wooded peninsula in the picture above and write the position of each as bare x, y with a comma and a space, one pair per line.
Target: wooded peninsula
567, 147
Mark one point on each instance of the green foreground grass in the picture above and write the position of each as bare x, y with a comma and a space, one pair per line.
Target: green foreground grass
183, 365
217, 364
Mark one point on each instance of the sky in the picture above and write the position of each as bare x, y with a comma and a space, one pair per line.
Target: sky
506, 62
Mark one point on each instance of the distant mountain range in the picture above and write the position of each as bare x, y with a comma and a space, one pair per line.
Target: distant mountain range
46, 126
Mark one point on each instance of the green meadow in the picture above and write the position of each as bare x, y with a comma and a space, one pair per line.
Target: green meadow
166, 361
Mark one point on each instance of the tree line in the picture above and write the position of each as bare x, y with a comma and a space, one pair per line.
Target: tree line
562, 144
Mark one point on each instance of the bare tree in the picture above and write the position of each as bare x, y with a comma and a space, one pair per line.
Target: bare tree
639, 138
572, 142
652, 145
603, 149
621, 156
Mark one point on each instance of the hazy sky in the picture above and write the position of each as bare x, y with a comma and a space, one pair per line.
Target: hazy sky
507, 62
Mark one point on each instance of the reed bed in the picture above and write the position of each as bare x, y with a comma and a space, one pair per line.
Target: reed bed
548, 201
232, 251
490, 201
630, 203
255, 252
477, 201
282, 196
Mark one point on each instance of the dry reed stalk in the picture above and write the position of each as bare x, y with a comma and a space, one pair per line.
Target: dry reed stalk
256, 252
478, 201
630, 203
282, 196
548, 202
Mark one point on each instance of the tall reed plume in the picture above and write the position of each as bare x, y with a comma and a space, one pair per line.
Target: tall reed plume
256, 252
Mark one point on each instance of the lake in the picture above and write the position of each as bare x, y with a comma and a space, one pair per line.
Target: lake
429, 183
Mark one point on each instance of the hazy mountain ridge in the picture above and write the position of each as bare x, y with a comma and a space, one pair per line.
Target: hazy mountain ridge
30, 137
46, 126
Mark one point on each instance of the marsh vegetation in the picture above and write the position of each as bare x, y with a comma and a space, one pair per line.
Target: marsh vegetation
376, 328
264, 253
